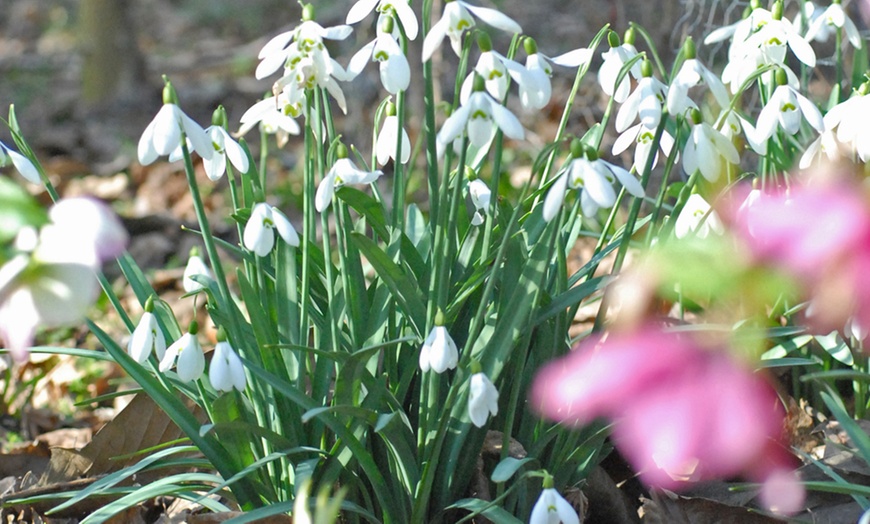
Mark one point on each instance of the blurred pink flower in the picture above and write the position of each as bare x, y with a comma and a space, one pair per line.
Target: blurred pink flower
680, 412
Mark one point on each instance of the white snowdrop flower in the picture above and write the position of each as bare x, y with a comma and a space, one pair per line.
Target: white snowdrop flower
22, 164
595, 177
275, 115
476, 117
225, 148
385, 144
643, 138
259, 233
824, 148
226, 371
456, 18
645, 101
147, 337
707, 150
833, 18
496, 71
163, 134
196, 267
535, 92
189, 355
439, 352
614, 59
482, 399
696, 217
692, 72
384, 49
784, 109
343, 171
850, 118
734, 125
552, 508
399, 8
480, 197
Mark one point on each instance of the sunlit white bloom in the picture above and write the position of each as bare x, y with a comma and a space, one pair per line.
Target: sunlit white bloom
811, 11
697, 217
385, 146
51, 283
773, 32
456, 18
439, 352
596, 178
163, 135
259, 234
477, 117
344, 171
785, 108
645, 102
614, 59
709, 151
834, 16
552, 508
402, 10
188, 352
496, 71
394, 68
275, 116
824, 148
304, 40
21, 163
225, 147
480, 197
850, 118
196, 267
482, 399
536, 91
643, 138
692, 73
226, 371
147, 338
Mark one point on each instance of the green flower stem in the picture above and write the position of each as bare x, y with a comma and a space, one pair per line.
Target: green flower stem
663, 189
308, 212
838, 46
264, 155
429, 124
399, 168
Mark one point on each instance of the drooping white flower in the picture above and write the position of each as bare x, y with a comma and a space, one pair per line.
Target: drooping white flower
304, 40
480, 197
482, 399
343, 171
495, 69
643, 138
477, 117
225, 148
594, 176
275, 115
552, 508
384, 49
259, 233
834, 17
784, 109
696, 217
535, 92
188, 352
439, 352
645, 101
385, 145
707, 150
614, 59
21, 163
147, 338
226, 370
692, 73
196, 267
456, 18
400, 8
850, 118
163, 134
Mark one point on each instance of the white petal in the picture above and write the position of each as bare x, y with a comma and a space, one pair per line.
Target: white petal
628, 181
454, 125
191, 361
323, 197
258, 235
359, 60
573, 58
277, 43
507, 122
24, 166
555, 197
434, 38
624, 140
407, 18
285, 229
395, 74
493, 17
801, 49
339, 32
360, 10
166, 134
811, 112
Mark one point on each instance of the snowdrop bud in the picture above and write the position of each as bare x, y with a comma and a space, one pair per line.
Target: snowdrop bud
689, 51
530, 46
612, 38
484, 42
308, 13
219, 117
169, 94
